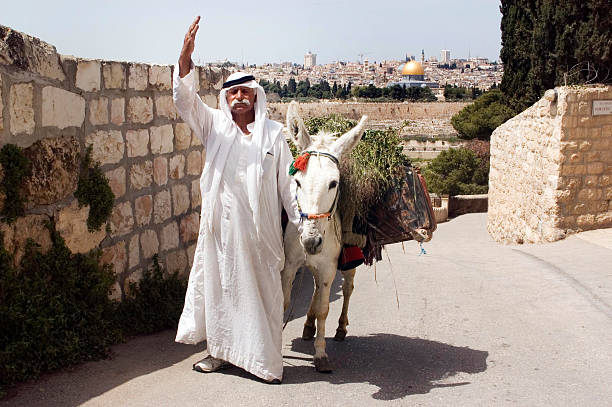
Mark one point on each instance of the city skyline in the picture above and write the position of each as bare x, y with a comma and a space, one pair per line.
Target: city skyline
257, 34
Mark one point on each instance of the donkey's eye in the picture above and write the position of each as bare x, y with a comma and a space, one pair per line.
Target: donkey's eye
333, 184
298, 183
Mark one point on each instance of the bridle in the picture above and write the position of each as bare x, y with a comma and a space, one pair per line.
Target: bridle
332, 210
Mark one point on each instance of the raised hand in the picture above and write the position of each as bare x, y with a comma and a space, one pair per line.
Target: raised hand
188, 45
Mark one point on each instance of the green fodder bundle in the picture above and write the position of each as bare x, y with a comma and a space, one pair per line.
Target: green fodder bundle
371, 169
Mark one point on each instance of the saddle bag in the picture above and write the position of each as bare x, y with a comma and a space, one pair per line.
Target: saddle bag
405, 213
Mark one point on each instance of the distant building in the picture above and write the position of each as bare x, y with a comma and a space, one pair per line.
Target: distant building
310, 60
413, 75
445, 56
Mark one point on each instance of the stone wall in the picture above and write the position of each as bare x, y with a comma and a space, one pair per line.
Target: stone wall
55, 106
376, 111
551, 168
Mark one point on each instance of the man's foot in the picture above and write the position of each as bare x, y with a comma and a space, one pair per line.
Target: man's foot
210, 364
274, 381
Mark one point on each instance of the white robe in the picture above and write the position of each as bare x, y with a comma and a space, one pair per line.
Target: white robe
234, 297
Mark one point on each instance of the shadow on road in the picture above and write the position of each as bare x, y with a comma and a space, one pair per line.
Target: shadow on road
399, 366
73, 386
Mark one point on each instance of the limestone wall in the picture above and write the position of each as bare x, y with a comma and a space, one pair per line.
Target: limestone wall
55, 106
375, 111
551, 168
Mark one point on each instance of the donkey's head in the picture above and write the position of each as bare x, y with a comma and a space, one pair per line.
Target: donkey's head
318, 179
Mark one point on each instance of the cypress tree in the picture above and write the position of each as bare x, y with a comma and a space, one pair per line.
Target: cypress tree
546, 43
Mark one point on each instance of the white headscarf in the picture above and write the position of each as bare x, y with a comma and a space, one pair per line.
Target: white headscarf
264, 136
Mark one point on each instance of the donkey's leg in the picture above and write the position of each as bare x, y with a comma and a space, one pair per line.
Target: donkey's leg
323, 279
347, 290
309, 326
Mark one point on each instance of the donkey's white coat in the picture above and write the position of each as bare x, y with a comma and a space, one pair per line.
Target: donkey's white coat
319, 245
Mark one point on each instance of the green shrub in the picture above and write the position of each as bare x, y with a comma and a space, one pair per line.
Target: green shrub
16, 167
456, 172
478, 120
93, 190
371, 169
54, 310
154, 304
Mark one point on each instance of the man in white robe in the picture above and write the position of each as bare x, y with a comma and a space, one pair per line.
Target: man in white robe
234, 298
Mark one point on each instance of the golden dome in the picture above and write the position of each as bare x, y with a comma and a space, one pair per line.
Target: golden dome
413, 68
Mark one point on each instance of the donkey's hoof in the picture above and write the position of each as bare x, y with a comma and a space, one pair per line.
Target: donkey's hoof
322, 365
340, 335
309, 332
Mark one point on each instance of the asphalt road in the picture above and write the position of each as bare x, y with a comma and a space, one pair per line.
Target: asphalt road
470, 323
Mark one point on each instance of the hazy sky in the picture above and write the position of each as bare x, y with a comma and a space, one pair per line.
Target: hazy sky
261, 31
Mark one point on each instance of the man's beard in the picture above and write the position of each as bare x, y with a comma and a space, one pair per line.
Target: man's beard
242, 101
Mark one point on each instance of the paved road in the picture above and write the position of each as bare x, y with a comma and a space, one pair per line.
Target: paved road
478, 324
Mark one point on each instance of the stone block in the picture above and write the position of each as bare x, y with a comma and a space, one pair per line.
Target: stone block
177, 262
169, 237
108, 146
210, 100
190, 226
138, 79
118, 111
116, 256
160, 77
165, 107
194, 163
132, 281
26, 227
61, 108
191, 253
21, 108
604, 219
180, 199
195, 141
122, 219
98, 111
144, 209
585, 221
141, 175
71, 223
162, 139
137, 142
116, 180
114, 75
607, 193
88, 75
177, 166
605, 180
115, 294
162, 207
196, 197
55, 164
134, 252
591, 181
160, 170
602, 144
140, 110
595, 168
149, 244
182, 136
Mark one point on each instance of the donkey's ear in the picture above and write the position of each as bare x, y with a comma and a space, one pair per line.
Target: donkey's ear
345, 143
297, 129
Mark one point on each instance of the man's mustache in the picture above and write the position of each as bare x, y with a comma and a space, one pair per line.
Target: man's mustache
242, 101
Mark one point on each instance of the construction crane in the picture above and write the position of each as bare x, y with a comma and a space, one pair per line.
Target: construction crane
361, 57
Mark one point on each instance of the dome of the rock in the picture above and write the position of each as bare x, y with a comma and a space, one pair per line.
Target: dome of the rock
412, 68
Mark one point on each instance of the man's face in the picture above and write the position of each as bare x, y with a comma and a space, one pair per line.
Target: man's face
241, 99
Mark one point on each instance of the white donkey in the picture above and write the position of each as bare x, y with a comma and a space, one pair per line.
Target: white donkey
320, 243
